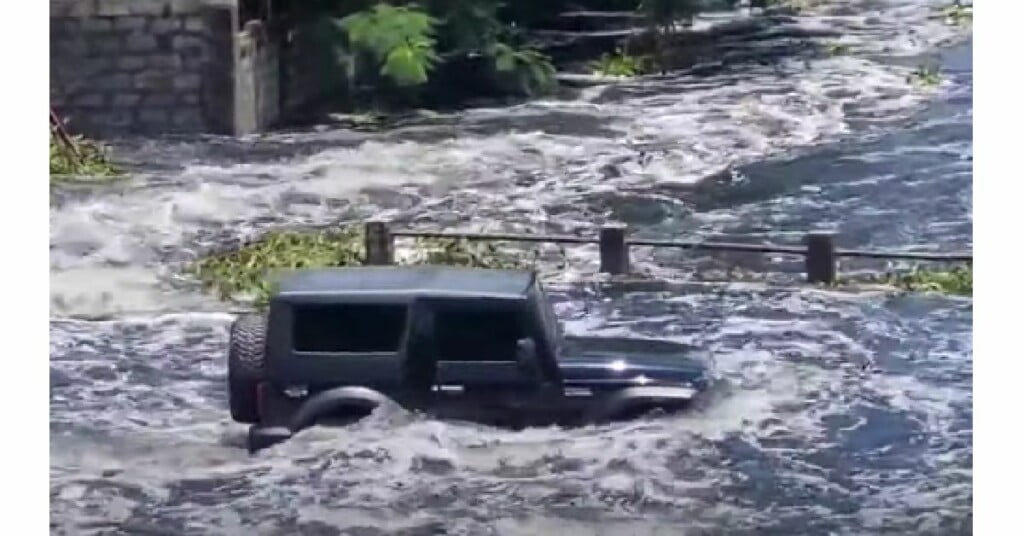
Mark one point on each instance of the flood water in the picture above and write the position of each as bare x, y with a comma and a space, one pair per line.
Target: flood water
836, 412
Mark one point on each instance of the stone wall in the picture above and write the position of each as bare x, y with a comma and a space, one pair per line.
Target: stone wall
144, 66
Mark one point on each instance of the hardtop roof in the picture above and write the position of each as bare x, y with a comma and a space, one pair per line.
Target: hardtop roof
412, 280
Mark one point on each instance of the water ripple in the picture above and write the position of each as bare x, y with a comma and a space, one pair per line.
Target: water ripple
834, 412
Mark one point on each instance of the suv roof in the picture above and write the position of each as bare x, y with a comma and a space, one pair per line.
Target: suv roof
413, 280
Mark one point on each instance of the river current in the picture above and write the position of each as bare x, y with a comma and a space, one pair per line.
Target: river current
837, 412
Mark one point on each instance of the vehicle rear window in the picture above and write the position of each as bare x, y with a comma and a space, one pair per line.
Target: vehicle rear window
477, 335
348, 328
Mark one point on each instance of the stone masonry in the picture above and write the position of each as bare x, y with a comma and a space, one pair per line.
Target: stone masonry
145, 66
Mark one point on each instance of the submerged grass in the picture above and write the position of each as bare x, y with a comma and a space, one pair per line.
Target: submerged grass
957, 13
926, 75
248, 273
955, 280
620, 64
837, 49
83, 158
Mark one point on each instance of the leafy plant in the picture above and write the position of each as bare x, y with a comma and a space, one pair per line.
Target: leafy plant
463, 253
797, 5
926, 75
957, 13
526, 70
620, 64
80, 157
958, 280
400, 40
837, 49
248, 272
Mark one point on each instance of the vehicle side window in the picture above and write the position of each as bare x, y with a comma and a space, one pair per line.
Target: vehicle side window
348, 327
469, 334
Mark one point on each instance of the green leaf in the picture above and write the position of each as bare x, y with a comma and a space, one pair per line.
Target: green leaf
505, 63
398, 38
405, 67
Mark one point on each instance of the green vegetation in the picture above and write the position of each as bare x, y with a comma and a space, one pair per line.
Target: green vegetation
527, 71
797, 5
437, 51
837, 49
957, 13
620, 64
77, 157
955, 280
400, 41
248, 272
408, 53
926, 75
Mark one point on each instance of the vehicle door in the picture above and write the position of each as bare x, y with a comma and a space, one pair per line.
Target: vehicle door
484, 343
420, 367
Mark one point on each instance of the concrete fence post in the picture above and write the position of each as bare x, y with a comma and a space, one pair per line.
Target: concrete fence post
614, 250
379, 244
820, 259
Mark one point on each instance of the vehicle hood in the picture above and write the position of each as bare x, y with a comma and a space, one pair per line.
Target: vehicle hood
620, 362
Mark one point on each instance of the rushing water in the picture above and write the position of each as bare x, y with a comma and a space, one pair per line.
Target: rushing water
838, 412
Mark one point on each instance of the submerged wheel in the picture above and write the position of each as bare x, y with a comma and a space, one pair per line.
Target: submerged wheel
246, 351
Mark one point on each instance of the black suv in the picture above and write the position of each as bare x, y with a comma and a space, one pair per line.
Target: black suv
459, 343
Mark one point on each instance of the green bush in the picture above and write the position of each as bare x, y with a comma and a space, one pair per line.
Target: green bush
837, 49
620, 64
399, 39
406, 44
416, 53
957, 13
523, 71
956, 280
926, 75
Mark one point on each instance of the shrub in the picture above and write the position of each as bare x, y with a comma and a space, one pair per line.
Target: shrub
620, 64
399, 39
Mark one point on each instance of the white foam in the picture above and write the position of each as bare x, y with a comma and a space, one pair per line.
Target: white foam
790, 359
699, 129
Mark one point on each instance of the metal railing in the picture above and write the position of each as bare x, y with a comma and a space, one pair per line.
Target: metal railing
818, 249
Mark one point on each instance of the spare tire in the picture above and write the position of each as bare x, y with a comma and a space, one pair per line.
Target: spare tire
246, 352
